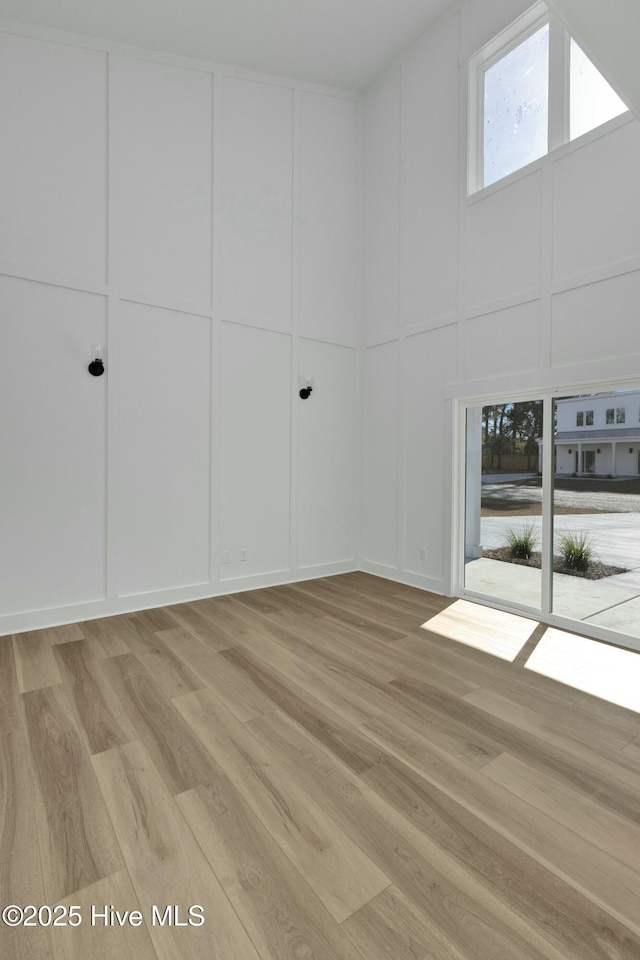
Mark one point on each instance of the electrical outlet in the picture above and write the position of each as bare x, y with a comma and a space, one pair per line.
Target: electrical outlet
225, 556
244, 553
422, 553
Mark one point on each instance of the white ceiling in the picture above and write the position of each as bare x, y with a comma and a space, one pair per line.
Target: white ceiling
344, 43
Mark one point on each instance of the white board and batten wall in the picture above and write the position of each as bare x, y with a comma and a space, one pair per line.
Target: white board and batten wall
531, 283
203, 225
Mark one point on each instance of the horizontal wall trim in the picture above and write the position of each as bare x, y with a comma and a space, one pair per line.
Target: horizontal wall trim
382, 339
325, 338
566, 149
75, 613
225, 317
503, 303
555, 156
177, 306
533, 168
608, 272
36, 275
447, 320
52, 35
430, 584
603, 370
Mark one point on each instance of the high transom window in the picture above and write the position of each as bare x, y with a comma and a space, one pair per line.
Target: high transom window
531, 90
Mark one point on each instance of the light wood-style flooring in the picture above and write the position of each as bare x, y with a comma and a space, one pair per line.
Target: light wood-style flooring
321, 774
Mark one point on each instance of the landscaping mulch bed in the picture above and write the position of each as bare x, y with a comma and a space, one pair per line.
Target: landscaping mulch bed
595, 570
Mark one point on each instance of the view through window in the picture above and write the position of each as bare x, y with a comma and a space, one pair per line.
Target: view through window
516, 107
592, 556
524, 83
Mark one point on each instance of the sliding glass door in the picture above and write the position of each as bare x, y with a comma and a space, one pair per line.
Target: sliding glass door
596, 510
503, 502
556, 532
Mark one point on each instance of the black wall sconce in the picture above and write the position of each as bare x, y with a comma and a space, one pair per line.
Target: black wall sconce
305, 392
598, 450
96, 367
630, 449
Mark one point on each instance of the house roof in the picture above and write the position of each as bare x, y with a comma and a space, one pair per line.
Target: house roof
616, 433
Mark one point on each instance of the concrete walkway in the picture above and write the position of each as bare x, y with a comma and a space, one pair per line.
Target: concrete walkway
612, 602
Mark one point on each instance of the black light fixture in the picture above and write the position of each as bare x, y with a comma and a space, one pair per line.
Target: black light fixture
96, 367
305, 391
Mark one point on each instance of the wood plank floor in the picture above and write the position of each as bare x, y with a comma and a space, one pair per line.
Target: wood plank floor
345, 769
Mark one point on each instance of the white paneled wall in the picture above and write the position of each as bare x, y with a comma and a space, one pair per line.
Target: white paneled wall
380, 450
328, 203
255, 441
205, 224
534, 281
500, 341
429, 230
597, 228
608, 310
196, 222
53, 447
328, 455
53, 117
164, 368
256, 222
430, 365
165, 182
503, 246
382, 210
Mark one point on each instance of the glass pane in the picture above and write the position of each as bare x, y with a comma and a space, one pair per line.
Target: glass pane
596, 511
516, 107
503, 518
592, 100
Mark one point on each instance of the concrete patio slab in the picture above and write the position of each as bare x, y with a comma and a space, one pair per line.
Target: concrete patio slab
615, 536
602, 602
625, 617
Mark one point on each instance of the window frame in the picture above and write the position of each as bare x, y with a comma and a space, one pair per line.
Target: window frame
558, 99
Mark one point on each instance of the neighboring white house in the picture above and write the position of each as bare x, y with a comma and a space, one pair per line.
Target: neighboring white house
598, 434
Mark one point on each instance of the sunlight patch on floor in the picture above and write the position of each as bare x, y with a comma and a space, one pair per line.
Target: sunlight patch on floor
597, 668
494, 631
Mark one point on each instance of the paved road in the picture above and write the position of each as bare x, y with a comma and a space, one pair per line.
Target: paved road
510, 495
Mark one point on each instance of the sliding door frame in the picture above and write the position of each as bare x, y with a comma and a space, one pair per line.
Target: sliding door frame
545, 614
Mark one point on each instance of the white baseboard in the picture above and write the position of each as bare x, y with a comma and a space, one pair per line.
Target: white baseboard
403, 576
113, 606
